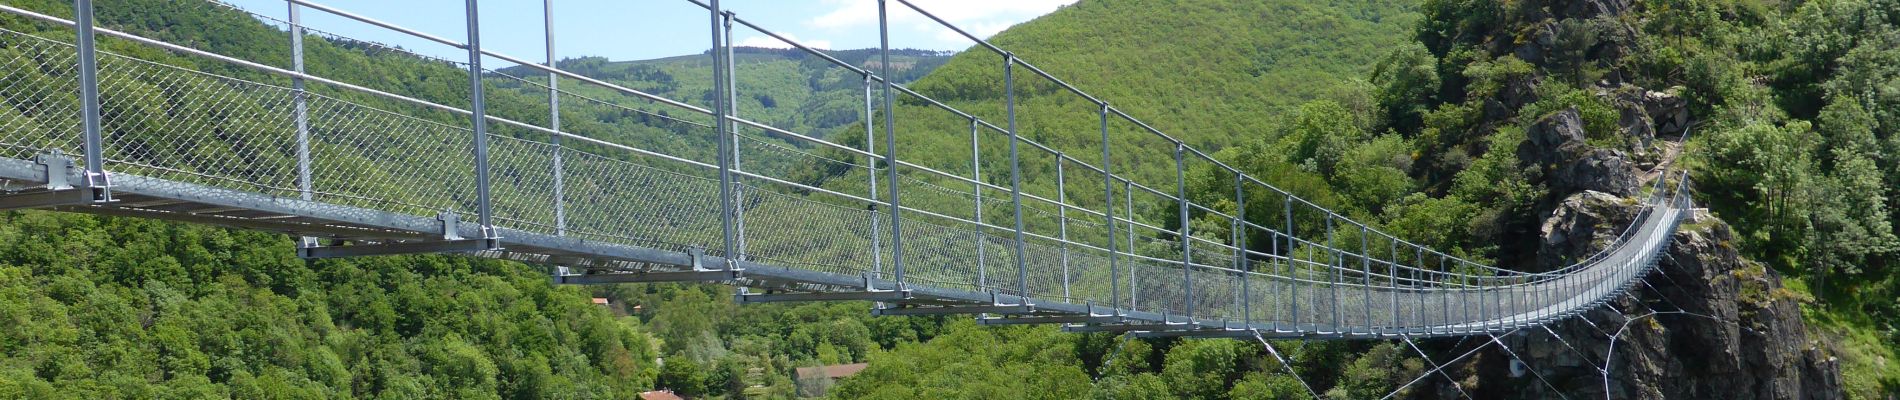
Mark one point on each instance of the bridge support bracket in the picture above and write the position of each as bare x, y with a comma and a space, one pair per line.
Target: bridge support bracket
394, 248
451, 242
56, 171
697, 273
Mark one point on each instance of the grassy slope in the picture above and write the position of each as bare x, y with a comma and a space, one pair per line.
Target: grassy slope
788, 89
1213, 73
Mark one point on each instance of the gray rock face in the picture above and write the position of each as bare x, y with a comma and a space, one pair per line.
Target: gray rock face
1573, 231
1542, 39
1669, 111
1557, 144
1664, 112
1601, 170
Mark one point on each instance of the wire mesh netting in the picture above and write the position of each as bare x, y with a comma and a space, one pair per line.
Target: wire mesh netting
39, 86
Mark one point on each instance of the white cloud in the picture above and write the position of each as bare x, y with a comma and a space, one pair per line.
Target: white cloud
774, 43
982, 18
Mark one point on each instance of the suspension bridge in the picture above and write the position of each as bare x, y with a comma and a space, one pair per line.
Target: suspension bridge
354, 170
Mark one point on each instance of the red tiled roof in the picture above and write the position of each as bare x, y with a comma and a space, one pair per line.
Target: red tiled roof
660, 395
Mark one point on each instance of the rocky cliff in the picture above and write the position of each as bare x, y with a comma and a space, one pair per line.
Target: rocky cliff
1708, 324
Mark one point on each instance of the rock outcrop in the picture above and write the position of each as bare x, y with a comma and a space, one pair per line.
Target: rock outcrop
1708, 325
1569, 164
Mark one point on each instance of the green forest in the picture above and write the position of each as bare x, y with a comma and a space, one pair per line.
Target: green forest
1409, 115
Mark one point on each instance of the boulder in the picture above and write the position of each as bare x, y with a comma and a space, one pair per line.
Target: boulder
1556, 143
1601, 170
1582, 225
1554, 138
1669, 110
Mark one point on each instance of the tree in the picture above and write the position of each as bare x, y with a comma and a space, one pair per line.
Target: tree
1765, 172
683, 376
1407, 78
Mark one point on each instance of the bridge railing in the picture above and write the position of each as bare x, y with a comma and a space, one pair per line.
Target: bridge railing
1041, 230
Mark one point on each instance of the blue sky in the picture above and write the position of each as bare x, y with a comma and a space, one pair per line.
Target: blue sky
643, 29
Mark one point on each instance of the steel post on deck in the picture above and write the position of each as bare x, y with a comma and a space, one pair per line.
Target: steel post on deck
1392, 278
1187, 245
478, 116
1418, 285
554, 123
870, 173
976, 189
722, 117
1292, 282
890, 139
1062, 221
1273, 288
300, 111
738, 163
1240, 248
1365, 272
1015, 173
1334, 263
1108, 212
96, 178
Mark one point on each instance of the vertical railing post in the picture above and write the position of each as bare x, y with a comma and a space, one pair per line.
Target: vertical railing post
96, 179
300, 112
1273, 287
728, 230
1015, 174
1464, 302
1292, 275
299, 109
1187, 255
1497, 301
1392, 278
982, 238
478, 116
1419, 287
870, 173
732, 134
1240, 248
1062, 220
1108, 211
1334, 276
554, 123
1365, 272
890, 139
